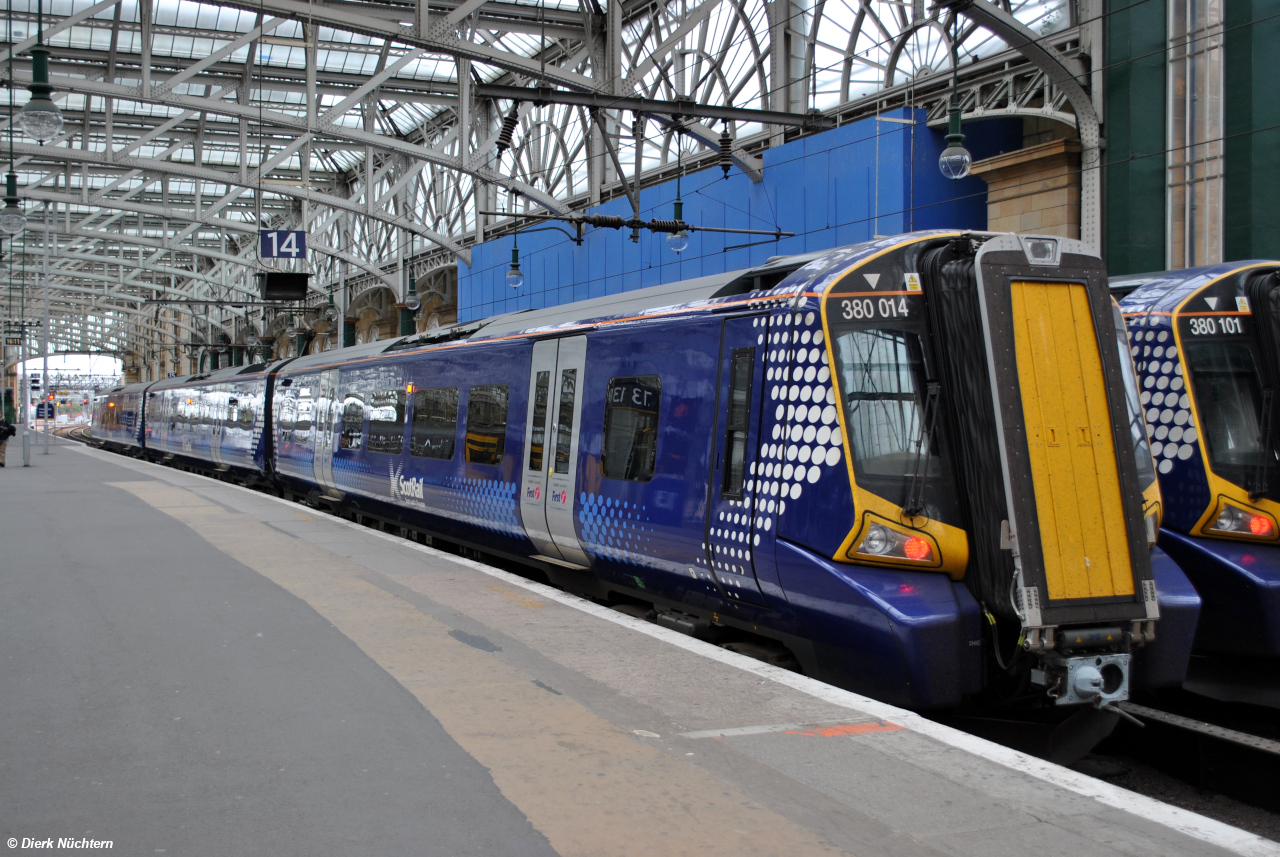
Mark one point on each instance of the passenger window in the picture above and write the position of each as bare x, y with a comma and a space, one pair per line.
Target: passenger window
736, 425
631, 428
564, 419
246, 414
487, 424
435, 423
538, 437
386, 421
352, 422
288, 413
306, 403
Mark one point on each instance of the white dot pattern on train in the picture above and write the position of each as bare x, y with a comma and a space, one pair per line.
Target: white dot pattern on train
487, 503
1171, 426
801, 439
615, 529
805, 441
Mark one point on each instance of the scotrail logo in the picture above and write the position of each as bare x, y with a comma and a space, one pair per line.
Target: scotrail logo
401, 488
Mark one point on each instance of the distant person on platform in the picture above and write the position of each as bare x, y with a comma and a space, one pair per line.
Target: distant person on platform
7, 431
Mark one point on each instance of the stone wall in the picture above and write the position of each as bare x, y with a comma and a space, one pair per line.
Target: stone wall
1036, 189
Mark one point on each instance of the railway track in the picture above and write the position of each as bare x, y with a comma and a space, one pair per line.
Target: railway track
1218, 747
79, 433
1209, 747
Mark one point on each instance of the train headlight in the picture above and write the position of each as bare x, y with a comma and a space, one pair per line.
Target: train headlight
885, 542
878, 541
1232, 520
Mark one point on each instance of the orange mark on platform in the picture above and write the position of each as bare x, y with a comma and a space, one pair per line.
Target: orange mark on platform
850, 729
516, 598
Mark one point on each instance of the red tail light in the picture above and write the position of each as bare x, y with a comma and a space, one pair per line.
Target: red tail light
917, 548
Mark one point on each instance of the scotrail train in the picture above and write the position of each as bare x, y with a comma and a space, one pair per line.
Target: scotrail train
1207, 346
916, 462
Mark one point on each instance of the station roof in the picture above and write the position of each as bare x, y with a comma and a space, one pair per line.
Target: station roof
189, 126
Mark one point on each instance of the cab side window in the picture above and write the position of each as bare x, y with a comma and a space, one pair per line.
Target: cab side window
737, 422
631, 428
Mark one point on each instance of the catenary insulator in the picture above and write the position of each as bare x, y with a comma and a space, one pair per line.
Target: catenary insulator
726, 152
509, 124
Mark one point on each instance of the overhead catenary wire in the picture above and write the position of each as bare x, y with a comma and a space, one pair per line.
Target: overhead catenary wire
813, 65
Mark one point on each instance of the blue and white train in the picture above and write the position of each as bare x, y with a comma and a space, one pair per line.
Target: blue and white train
916, 463
1207, 346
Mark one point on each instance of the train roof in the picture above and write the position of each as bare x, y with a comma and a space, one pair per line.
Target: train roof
780, 277
683, 293
1163, 291
213, 377
187, 380
125, 389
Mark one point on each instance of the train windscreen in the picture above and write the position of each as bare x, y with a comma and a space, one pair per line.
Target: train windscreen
890, 410
1229, 401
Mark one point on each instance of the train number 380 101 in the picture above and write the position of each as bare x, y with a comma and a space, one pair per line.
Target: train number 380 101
868, 308
1209, 325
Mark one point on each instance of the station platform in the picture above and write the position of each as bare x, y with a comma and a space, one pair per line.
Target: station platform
193, 668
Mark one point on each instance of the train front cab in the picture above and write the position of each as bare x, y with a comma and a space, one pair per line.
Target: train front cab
119, 422
1207, 346
981, 391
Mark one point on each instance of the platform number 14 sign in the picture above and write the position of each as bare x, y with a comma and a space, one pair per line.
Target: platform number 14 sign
282, 243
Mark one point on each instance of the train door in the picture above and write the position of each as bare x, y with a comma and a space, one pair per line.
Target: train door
1075, 525
1077, 486
323, 431
731, 512
552, 432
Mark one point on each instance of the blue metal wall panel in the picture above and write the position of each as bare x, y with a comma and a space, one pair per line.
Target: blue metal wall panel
871, 177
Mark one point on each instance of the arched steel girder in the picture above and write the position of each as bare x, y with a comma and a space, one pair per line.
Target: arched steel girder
58, 228
1055, 67
140, 241
435, 36
67, 258
69, 338
160, 91
275, 118
133, 306
76, 345
64, 314
153, 265
41, 195
96, 294
249, 182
